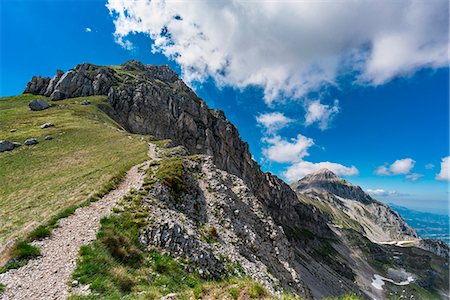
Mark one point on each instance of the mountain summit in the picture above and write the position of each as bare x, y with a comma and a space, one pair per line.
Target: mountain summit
324, 180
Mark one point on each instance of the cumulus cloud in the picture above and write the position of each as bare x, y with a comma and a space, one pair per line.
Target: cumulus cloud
444, 174
402, 166
399, 167
320, 113
272, 122
294, 151
303, 168
87, 29
284, 151
289, 48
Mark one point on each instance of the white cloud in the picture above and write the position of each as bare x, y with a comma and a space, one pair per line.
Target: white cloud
283, 151
289, 48
402, 166
381, 193
320, 113
414, 176
429, 166
383, 171
444, 174
399, 167
272, 122
87, 29
303, 168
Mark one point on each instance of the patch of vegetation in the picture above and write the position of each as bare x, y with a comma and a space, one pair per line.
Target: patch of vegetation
170, 172
87, 153
210, 235
162, 143
24, 250
2, 288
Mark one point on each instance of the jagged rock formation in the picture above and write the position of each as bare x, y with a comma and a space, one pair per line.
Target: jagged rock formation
351, 206
437, 247
283, 239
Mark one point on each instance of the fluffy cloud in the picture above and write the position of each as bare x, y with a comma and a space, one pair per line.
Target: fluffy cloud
399, 167
283, 151
272, 122
289, 48
303, 168
320, 113
444, 174
87, 29
402, 166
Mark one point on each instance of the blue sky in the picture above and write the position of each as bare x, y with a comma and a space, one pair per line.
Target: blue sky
384, 112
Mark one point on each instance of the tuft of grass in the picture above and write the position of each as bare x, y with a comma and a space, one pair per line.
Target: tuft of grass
40, 233
2, 288
87, 151
170, 172
24, 250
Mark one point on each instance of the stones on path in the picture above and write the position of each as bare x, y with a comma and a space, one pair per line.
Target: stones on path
47, 125
38, 104
31, 141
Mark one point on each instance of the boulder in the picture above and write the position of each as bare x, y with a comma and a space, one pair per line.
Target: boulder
85, 102
13, 130
16, 145
31, 141
47, 125
38, 104
48, 138
6, 146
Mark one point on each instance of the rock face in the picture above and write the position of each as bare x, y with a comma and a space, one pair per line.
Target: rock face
350, 205
37, 85
38, 104
83, 80
437, 247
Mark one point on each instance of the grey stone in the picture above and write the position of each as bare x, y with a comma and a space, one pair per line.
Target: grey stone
37, 85
16, 144
47, 125
6, 145
38, 104
13, 130
85, 102
48, 138
31, 141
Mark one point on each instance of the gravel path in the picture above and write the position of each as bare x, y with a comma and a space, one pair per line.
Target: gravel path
47, 276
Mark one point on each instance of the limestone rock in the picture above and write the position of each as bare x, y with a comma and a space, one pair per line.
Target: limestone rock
6, 146
38, 104
31, 141
37, 85
47, 125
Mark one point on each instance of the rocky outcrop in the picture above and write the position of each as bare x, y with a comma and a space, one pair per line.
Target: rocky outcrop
6, 146
37, 85
83, 80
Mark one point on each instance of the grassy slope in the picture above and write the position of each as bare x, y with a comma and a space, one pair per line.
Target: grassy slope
87, 150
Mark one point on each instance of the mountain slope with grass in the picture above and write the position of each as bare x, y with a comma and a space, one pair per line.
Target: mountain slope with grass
87, 150
206, 222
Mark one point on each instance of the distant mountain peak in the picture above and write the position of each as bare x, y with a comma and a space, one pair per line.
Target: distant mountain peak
326, 181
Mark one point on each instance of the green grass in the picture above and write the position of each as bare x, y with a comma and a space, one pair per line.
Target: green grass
88, 151
2, 288
24, 250
346, 297
170, 172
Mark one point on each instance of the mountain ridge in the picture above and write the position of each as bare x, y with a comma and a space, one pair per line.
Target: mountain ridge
318, 258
